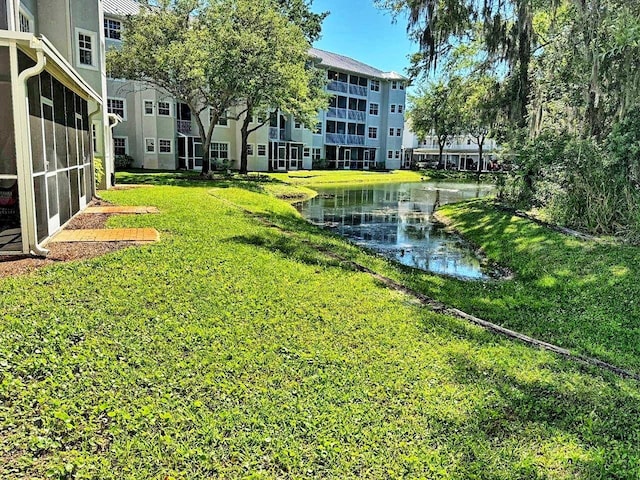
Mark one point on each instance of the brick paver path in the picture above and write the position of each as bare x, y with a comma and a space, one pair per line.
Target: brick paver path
108, 235
121, 210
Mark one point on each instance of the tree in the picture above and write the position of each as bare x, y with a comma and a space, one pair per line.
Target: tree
436, 110
480, 109
273, 62
504, 26
299, 12
179, 47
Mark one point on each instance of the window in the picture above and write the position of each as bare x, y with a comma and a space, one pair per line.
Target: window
165, 145
375, 85
398, 132
120, 146
397, 153
112, 29
373, 109
393, 108
394, 85
373, 132
86, 48
117, 107
262, 150
401, 85
468, 141
164, 109
317, 152
306, 152
150, 145
148, 107
390, 154
250, 149
297, 125
391, 132
400, 108
220, 150
26, 21
318, 129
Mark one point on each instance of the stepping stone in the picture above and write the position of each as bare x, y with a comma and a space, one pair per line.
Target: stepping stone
141, 235
122, 210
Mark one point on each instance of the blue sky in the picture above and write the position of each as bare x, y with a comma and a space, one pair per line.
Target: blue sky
357, 29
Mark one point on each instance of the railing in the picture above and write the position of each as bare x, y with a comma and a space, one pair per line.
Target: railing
336, 138
342, 139
355, 139
337, 112
358, 90
357, 115
338, 87
184, 127
276, 133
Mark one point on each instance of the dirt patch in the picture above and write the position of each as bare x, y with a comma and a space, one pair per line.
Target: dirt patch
59, 252
67, 252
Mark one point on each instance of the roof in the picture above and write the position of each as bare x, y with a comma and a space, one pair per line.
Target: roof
120, 8
333, 60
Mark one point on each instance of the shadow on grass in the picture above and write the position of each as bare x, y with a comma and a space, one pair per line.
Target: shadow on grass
605, 419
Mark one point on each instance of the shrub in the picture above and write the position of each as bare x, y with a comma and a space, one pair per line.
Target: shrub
123, 162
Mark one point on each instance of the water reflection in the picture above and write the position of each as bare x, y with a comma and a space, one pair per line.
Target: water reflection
397, 221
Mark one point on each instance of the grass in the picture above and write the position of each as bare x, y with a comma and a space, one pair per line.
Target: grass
232, 350
335, 177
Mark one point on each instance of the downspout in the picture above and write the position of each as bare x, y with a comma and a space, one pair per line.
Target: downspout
27, 176
92, 115
114, 121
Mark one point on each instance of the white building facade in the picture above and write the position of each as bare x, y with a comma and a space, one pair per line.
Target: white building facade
53, 127
361, 129
460, 153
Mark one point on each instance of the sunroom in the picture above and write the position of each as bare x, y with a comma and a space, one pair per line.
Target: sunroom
46, 142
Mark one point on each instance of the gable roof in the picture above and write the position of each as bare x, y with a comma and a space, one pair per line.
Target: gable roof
120, 8
334, 60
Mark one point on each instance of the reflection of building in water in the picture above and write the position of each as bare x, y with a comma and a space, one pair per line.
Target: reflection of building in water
398, 222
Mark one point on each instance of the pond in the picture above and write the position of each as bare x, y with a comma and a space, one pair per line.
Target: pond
397, 221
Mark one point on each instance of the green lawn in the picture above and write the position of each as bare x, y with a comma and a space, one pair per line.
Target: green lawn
335, 177
232, 350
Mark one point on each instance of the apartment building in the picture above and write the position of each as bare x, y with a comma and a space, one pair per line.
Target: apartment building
362, 127
52, 121
460, 153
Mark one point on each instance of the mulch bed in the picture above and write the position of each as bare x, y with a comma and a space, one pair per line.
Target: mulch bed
66, 252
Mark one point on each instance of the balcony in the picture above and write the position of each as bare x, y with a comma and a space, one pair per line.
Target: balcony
357, 116
334, 112
344, 139
340, 87
355, 139
184, 127
277, 134
358, 90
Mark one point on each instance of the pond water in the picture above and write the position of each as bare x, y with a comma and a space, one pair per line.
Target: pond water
396, 220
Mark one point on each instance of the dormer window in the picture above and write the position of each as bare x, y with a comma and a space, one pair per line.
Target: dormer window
112, 29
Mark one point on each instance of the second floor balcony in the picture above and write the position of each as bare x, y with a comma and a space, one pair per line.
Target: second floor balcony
184, 127
278, 134
345, 139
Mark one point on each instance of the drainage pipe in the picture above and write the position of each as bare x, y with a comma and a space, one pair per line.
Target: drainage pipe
23, 144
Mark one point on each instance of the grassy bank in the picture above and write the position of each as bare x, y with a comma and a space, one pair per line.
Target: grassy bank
348, 177
231, 350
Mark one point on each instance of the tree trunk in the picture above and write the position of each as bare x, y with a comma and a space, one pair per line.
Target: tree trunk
205, 136
244, 134
441, 147
480, 149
